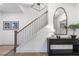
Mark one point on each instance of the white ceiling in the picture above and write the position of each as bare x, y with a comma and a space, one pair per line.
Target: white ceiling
13, 7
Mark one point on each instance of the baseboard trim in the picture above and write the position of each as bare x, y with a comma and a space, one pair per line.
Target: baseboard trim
6, 44
32, 54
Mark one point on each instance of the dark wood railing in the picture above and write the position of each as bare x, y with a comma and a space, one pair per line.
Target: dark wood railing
15, 41
16, 32
32, 22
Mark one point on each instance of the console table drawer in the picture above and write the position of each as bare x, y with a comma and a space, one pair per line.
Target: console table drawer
65, 46
61, 51
61, 41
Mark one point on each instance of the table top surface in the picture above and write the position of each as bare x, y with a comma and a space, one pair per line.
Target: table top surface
60, 38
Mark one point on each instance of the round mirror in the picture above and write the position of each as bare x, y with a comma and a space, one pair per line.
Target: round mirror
60, 21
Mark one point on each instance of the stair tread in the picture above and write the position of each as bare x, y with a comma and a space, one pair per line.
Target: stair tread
5, 49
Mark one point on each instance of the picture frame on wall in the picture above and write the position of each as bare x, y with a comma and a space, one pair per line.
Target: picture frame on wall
6, 25
10, 25
15, 25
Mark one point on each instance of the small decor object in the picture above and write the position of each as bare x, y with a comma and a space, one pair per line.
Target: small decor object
58, 36
10, 25
73, 27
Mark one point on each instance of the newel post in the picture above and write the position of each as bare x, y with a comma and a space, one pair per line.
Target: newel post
15, 41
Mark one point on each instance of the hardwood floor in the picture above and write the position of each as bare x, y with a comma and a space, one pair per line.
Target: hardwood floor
6, 50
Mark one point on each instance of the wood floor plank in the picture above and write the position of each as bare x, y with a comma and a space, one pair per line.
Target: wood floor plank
5, 49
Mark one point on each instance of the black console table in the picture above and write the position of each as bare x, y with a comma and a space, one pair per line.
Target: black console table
63, 41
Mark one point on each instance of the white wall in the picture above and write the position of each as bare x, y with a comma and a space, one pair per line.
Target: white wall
7, 36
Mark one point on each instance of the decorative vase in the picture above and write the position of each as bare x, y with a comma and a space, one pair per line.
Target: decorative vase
73, 36
58, 37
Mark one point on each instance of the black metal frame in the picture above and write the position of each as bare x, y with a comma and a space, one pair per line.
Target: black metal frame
66, 19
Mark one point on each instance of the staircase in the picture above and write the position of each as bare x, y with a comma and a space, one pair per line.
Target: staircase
29, 32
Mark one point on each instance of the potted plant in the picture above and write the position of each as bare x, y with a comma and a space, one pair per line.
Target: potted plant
73, 27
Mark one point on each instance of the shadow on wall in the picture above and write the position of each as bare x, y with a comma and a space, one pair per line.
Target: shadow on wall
44, 46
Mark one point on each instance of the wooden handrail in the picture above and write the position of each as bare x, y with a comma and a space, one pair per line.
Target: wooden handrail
31, 22
15, 41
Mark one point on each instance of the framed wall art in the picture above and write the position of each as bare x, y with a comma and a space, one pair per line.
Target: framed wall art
10, 25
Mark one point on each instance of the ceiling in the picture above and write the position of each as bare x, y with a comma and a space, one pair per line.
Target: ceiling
13, 7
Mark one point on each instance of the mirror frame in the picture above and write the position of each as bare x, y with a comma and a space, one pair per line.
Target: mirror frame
66, 19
